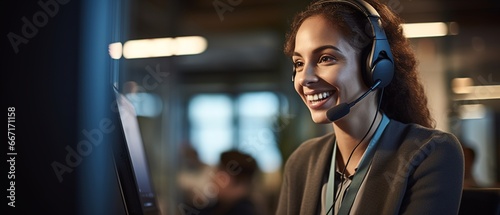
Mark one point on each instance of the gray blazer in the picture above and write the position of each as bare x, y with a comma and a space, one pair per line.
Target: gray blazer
415, 170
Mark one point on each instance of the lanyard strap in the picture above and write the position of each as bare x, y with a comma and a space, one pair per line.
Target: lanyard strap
358, 176
331, 182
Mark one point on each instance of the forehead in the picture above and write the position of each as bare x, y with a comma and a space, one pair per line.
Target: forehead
318, 31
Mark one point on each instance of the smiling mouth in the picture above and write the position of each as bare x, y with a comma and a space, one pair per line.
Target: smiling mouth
318, 97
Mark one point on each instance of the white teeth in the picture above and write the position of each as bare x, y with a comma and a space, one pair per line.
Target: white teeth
318, 96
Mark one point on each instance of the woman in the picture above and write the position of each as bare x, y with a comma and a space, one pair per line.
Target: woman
384, 156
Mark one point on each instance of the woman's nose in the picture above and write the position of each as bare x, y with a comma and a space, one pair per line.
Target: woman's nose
307, 76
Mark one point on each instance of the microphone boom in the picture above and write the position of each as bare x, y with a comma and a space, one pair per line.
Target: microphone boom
339, 111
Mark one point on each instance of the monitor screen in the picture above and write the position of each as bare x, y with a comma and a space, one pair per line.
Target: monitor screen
131, 162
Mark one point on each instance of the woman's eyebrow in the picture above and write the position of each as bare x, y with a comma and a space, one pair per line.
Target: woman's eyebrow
319, 49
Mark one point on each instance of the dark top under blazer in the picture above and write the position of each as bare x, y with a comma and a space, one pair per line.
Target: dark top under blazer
415, 170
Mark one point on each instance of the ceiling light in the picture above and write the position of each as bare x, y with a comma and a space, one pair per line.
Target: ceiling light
429, 29
472, 111
190, 45
148, 48
115, 50
161, 47
461, 85
483, 92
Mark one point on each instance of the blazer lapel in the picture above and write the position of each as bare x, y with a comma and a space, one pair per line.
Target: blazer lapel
316, 169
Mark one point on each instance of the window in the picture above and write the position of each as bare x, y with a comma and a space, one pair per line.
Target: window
219, 122
210, 119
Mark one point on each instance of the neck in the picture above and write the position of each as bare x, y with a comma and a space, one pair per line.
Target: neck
349, 133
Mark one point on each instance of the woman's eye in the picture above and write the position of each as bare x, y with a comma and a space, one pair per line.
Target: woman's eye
297, 64
325, 59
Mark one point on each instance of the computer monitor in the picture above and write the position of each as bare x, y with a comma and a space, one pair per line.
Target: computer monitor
480, 201
131, 163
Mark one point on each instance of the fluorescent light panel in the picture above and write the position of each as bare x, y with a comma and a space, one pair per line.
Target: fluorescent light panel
148, 48
472, 111
462, 85
115, 50
429, 29
465, 89
479, 93
158, 47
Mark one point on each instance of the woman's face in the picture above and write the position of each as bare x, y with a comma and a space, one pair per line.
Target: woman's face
327, 67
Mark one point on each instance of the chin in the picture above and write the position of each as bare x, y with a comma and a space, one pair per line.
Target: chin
320, 118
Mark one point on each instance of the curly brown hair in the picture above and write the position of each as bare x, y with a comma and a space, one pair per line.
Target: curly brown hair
404, 99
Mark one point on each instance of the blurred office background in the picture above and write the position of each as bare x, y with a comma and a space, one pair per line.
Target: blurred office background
210, 76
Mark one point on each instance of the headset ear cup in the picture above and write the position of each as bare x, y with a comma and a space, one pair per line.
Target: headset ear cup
383, 66
383, 70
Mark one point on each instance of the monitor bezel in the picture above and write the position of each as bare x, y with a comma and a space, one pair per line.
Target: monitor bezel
126, 176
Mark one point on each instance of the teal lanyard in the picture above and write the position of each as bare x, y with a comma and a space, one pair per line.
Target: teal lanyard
358, 177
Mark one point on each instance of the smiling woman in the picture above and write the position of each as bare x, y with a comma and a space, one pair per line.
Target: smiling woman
334, 65
384, 157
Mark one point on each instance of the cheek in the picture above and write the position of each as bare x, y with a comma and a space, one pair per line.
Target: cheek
349, 84
297, 87
350, 76
347, 78
338, 77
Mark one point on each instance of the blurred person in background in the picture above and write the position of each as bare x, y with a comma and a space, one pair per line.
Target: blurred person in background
224, 190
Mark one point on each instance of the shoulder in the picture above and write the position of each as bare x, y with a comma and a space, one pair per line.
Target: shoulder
416, 145
418, 137
424, 162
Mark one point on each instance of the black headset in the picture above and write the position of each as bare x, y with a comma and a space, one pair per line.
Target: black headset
379, 61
